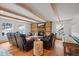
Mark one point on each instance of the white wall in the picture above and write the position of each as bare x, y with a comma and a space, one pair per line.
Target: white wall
70, 26
15, 25
67, 26
75, 24
28, 28
53, 27
75, 28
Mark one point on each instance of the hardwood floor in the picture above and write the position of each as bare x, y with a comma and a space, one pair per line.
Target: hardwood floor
56, 51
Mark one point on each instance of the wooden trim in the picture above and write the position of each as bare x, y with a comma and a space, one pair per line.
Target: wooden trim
10, 11
34, 27
14, 18
54, 8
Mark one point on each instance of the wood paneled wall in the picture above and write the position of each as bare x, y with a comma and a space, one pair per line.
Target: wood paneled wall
34, 28
47, 28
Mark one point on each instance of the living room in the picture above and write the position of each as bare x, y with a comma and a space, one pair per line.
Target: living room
41, 29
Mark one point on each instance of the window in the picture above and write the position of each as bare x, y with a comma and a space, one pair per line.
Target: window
22, 29
6, 27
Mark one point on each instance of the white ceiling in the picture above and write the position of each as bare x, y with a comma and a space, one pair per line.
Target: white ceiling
20, 10
67, 10
44, 9
64, 10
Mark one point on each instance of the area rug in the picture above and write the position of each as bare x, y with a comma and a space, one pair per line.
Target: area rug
4, 52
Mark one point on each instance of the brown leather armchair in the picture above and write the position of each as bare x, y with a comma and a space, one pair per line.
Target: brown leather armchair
47, 41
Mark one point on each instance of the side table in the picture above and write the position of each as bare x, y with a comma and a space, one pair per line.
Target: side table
38, 48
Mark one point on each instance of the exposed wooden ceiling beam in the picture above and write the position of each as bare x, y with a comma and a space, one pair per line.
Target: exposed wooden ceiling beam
14, 18
30, 10
10, 11
54, 8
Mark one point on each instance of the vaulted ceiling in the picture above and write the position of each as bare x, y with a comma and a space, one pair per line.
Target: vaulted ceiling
38, 12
